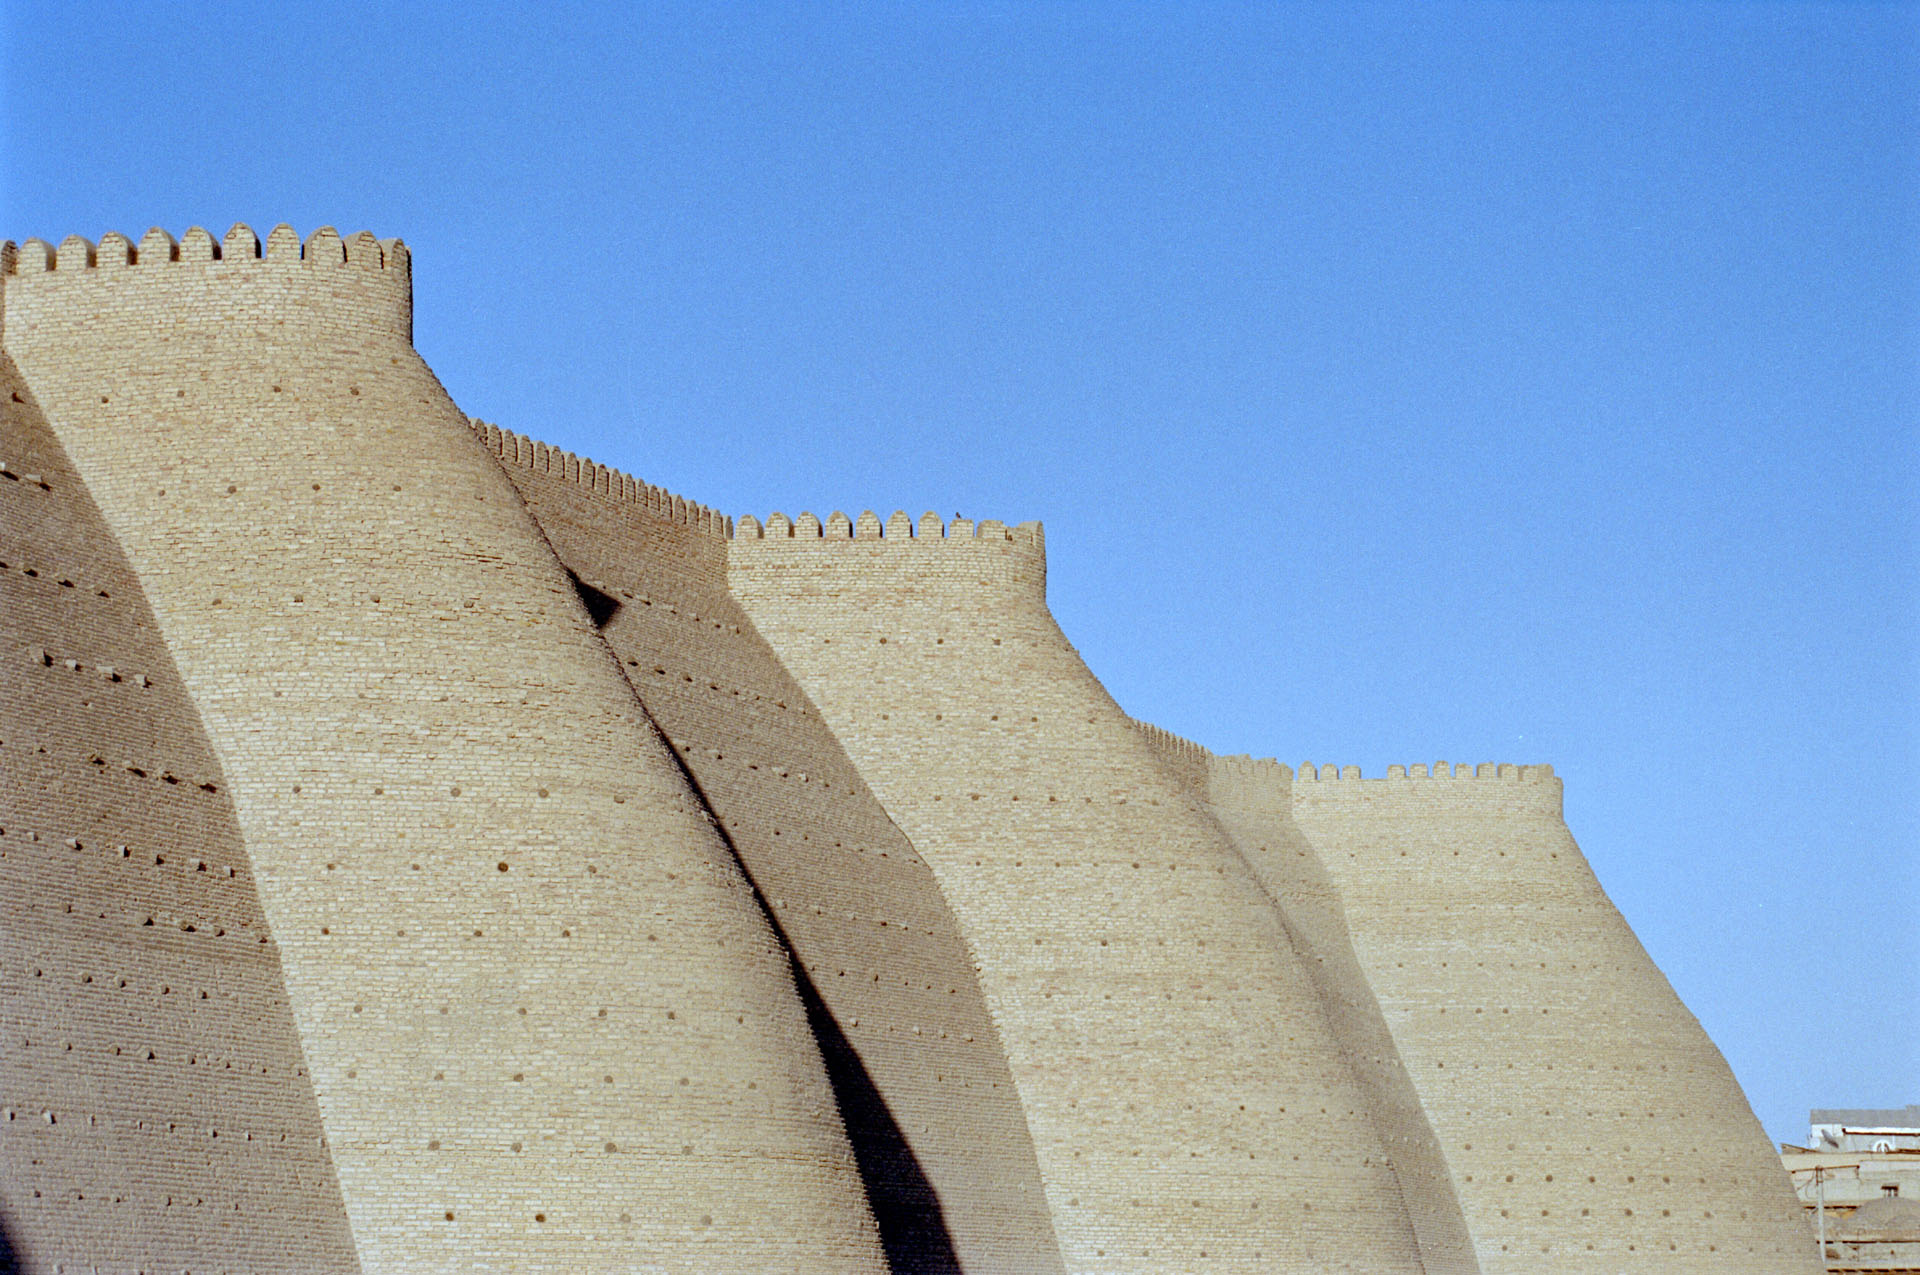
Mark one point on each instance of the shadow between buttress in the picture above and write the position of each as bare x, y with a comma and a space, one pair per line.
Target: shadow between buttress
9, 1257
913, 1227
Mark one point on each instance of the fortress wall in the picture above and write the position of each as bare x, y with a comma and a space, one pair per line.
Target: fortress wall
1183, 1088
1253, 802
548, 1025
1589, 1123
155, 1110
923, 1084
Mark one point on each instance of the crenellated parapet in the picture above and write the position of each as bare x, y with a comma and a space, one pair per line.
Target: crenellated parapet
163, 276
1168, 742
324, 247
987, 555
1492, 789
1309, 773
898, 529
543, 458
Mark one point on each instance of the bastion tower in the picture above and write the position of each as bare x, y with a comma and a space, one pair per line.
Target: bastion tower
422, 849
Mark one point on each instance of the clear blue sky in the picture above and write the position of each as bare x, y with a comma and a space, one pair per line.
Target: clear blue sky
1511, 382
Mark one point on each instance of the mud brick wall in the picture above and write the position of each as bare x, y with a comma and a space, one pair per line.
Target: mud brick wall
155, 1106
546, 1021
1189, 1103
923, 1084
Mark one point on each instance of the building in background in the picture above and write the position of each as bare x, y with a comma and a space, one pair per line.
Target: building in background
1859, 1178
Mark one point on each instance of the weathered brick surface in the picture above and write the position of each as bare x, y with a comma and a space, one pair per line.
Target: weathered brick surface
1309, 906
924, 1087
548, 1027
1588, 1123
154, 1104
1188, 1102
298, 672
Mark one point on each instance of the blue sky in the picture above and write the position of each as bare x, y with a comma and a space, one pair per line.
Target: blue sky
1518, 382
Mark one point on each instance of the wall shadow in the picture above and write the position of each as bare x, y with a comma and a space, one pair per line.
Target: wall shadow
10, 1263
913, 1225
600, 604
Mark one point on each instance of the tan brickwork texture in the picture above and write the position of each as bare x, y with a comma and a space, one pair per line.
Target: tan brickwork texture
1588, 1122
423, 849
155, 1107
924, 1088
1189, 1104
548, 1027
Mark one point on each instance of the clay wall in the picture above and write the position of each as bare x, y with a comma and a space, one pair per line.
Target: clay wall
1257, 814
924, 1088
154, 1104
545, 1019
1188, 1103
1588, 1122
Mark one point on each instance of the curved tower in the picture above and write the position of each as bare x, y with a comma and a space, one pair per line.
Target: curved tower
1189, 1103
514, 943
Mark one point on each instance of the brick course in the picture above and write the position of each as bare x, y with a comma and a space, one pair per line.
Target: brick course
546, 1022
647, 891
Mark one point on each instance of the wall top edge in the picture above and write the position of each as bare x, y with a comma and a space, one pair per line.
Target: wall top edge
1308, 772
896, 529
282, 246
544, 458
529, 453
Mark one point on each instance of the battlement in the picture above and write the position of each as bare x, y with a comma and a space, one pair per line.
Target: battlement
1308, 773
360, 271
1487, 789
897, 529
1180, 746
324, 247
543, 458
1174, 745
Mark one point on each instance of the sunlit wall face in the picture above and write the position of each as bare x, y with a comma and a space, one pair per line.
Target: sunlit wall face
1526, 383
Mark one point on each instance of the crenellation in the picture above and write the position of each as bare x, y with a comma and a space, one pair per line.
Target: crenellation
897, 527
115, 250
521, 451
197, 245
157, 247
240, 243
76, 253
1535, 773
363, 251
283, 245
324, 248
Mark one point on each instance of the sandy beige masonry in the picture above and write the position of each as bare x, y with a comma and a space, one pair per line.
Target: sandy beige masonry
1309, 908
923, 1086
546, 1022
425, 849
1589, 1123
154, 1104
1188, 1101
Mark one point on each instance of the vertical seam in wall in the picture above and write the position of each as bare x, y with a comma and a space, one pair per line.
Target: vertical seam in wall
692, 787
